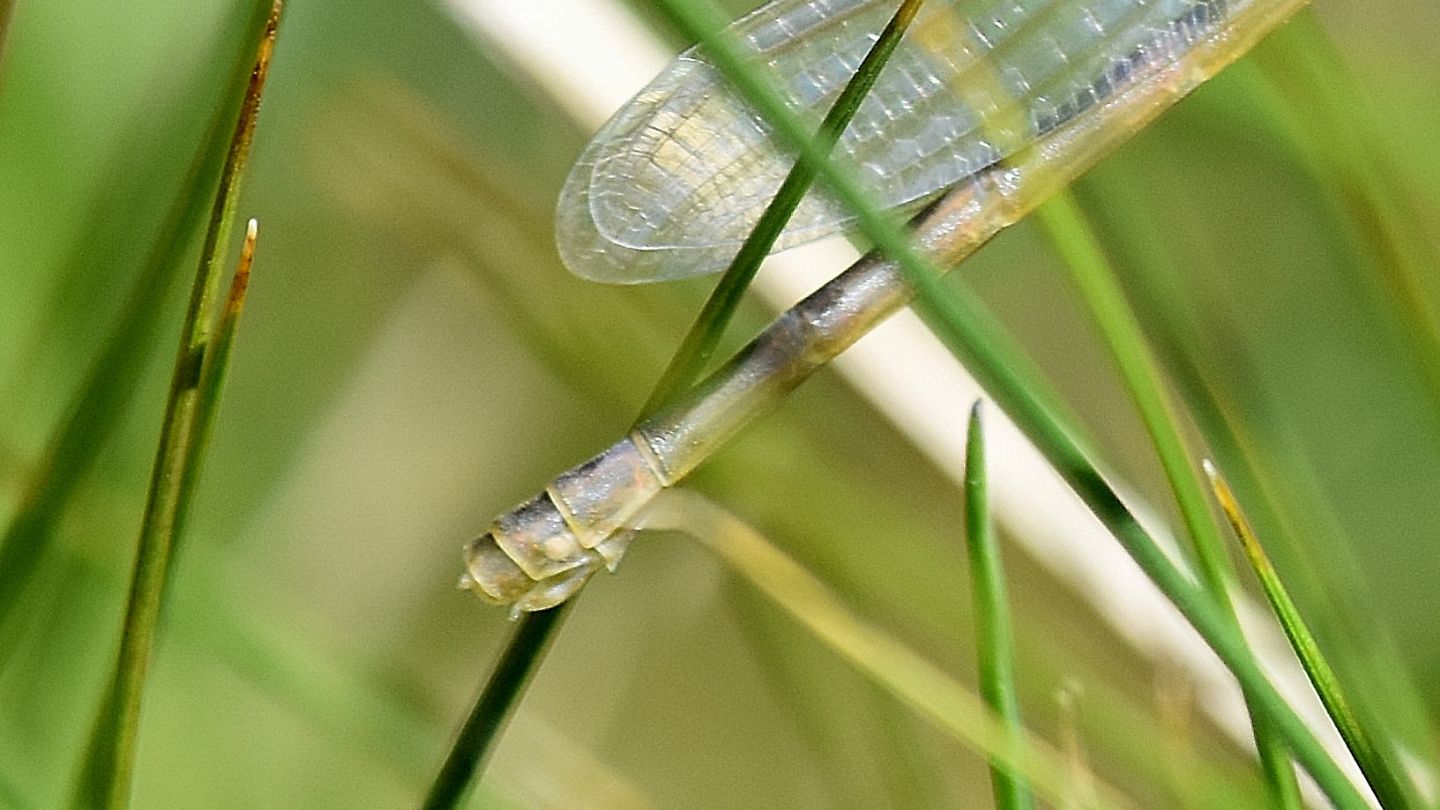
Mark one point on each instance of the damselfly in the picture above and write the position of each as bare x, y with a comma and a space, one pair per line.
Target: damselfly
984, 110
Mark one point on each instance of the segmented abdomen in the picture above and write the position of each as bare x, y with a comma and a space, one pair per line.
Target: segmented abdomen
540, 553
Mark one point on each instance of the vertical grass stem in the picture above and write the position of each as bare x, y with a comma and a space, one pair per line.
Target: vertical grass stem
994, 643
1373, 763
107, 772
92, 415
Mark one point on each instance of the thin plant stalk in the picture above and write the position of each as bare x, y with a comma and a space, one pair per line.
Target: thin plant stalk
1090, 271
907, 675
1276, 466
215, 369
699, 344
472, 747
91, 415
1373, 763
994, 639
108, 770
1310, 84
535, 631
968, 330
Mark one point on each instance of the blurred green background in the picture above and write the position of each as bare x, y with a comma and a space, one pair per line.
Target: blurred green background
414, 359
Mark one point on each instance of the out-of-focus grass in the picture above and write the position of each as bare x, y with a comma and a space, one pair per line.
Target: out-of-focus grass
415, 359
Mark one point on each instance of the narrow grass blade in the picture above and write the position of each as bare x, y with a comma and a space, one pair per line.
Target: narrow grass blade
1092, 275
506, 684
535, 631
214, 368
1235, 408
995, 646
107, 771
699, 344
969, 332
1339, 138
95, 410
1373, 763
906, 674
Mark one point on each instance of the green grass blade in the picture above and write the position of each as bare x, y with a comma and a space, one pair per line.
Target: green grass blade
1235, 408
213, 370
876, 653
699, 344
93, 414
1373, 763
532, 637
107, 772
968, 331
994, 643
1341, 143
503, 690
1093, 276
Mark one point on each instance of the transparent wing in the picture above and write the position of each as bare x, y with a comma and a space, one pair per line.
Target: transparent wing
674, 182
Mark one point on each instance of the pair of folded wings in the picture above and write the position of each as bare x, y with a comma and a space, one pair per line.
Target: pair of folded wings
674, 182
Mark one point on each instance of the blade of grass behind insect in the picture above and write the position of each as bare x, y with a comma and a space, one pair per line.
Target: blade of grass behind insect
1307, 85
502, 691
1092, 275
994, 645
969, 332
1236, 412
107, 772
699, 344
213, 372
1368, 756
527, 646
95, 411
911, 678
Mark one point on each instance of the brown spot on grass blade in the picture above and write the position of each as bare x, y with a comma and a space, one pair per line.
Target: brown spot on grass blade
240, 283
1373, 764
222, 215
214, 368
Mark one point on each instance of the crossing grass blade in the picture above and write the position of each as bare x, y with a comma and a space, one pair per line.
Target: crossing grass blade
994, 644
107, 771
502, 691
901, 671
1092, 274
1368, 755
1234, 404
94, 413
1339, 140
969, 332
535, 632
214, 369
699, 344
